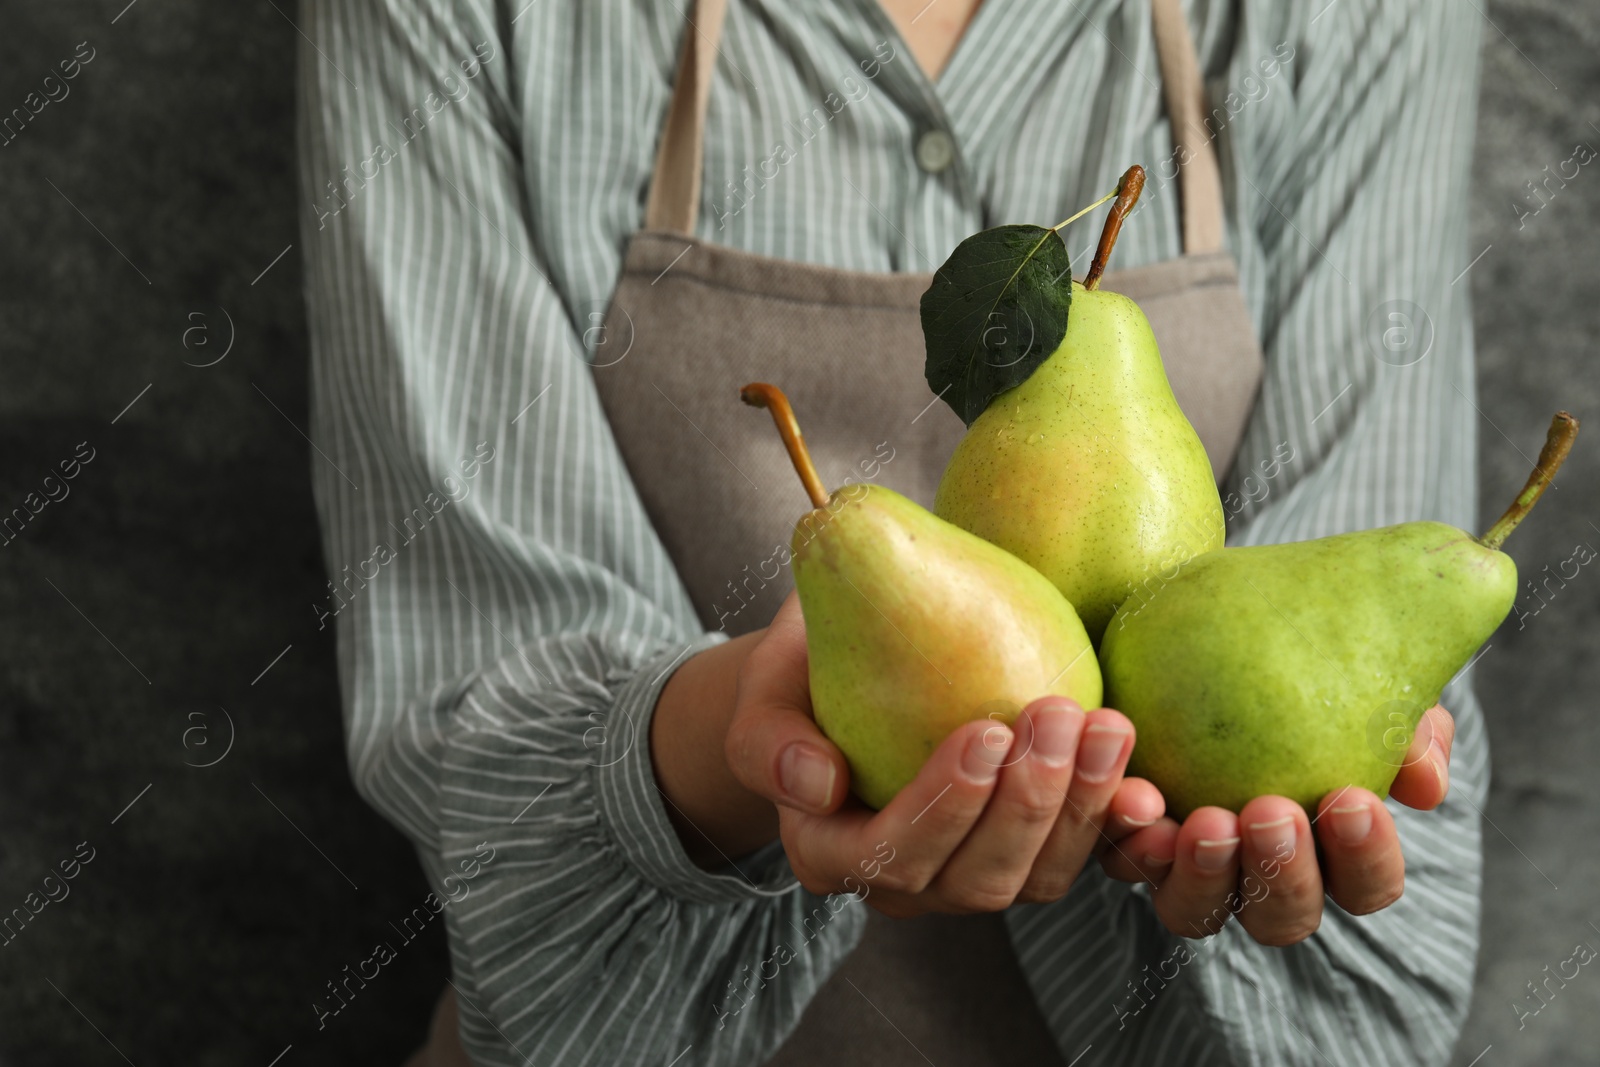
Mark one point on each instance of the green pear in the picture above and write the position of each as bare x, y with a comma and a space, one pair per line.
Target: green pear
1298, 669
1089, 471
914, 626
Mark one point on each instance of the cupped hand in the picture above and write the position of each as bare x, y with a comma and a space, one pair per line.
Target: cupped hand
1261, 865
998, 815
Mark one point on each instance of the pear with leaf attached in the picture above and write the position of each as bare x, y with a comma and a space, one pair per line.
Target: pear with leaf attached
914, 626
1298, 669
1088, 469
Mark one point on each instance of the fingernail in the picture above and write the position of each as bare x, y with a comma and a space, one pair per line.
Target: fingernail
1351, 825
1275, 838
806, 775
1441, 762
1156, 861
1055, 736
1101, 747
1136, 822
1424, 723
986, 751
1215, 855
1441, 771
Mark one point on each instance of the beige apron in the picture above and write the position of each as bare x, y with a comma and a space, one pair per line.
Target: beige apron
690, 322
698, 320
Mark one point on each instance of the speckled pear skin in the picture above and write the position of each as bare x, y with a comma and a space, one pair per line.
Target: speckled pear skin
1089, 471
1281, 669
915, 626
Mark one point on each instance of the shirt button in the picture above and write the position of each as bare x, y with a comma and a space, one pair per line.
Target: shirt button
935, 151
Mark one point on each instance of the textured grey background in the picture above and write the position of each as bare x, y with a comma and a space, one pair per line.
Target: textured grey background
186, 559
1536, 296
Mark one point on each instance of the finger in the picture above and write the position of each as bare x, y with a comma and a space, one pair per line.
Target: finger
1143, 856
922, 826
775, 750
1126, 852
1363, 867
989, 868
1444, 727
1423, 780
1195, 898
1279, 881
773, 746
1136, 805
1101, 757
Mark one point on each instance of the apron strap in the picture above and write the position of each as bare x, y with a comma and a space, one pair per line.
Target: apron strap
674, 202
1199, 177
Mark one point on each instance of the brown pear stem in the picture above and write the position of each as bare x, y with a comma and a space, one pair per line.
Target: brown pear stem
762, 395
1563, 431
1128, 190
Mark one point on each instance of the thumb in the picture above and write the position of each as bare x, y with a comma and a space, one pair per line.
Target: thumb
773, 746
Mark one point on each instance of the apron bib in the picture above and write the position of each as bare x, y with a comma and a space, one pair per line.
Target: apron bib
690, 322
700, 320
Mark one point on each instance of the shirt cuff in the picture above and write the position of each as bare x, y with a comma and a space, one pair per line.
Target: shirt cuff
634, 810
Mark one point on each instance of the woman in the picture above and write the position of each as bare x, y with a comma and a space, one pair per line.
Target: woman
542, 508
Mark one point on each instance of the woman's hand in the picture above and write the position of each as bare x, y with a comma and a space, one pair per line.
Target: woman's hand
1261, 864
996, 816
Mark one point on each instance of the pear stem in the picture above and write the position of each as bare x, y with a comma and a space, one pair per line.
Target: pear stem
1563, 431
1128, 190
1064, 222
762, 395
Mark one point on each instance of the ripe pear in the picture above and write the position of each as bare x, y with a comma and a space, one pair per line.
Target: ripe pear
1298, 669
914, 626
1089, 470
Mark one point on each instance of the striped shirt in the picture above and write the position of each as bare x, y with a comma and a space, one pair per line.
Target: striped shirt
506, 616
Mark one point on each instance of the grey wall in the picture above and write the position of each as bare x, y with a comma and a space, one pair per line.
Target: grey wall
1536, 294
138, 614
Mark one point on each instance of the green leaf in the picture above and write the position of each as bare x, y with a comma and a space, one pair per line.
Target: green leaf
995, 311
